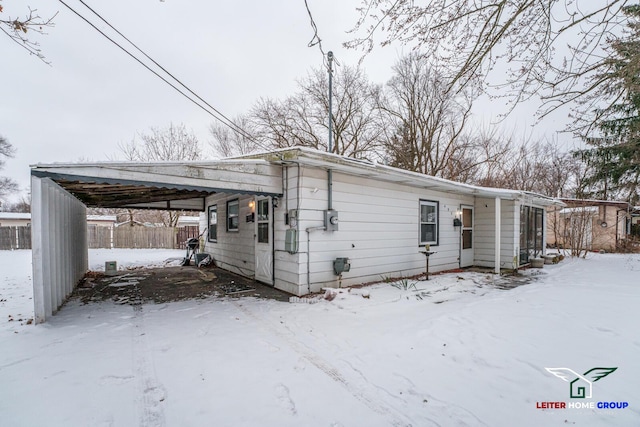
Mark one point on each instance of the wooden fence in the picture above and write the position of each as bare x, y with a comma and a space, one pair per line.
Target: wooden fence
15, 238
144, 237
108, 237
100, 237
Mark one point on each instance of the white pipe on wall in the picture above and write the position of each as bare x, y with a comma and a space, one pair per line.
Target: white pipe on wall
498, 227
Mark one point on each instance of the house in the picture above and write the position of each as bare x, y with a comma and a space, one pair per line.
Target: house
15, 230
15, 219
20, 237
101, 220
296, 219
188, 221
589, 224
635, 221
134, 223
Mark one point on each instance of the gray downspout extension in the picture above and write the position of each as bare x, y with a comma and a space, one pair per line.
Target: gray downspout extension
273, 244
330, 189
309, 230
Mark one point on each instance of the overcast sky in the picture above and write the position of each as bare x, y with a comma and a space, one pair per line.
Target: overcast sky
93, 96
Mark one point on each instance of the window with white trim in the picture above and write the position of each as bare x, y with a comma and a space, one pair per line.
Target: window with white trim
213, 223
428, 222
233, 215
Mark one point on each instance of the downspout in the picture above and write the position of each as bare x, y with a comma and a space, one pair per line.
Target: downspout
330, 189
309, 230
273, 243
617, 220
297, 227
285, 187
498, 225
285, 194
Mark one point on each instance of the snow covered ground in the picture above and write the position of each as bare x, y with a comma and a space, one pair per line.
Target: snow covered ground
457, 351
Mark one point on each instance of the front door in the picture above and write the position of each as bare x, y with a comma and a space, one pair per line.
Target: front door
466, 237
264, 241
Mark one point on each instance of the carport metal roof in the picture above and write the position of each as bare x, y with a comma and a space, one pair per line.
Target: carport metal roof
161, 185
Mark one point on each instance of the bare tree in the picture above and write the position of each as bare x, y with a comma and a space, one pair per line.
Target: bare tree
572, 229
479, 161
505, 161
561, 177
19, 29
227, 143
7, 185
174, 143
426, 120
478, 37
356, 133
23, 205
286, 123
302, 119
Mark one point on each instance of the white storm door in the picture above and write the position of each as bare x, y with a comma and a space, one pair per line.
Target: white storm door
466, 237
264, 241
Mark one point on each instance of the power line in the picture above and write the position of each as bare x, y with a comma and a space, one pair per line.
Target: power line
316, 40
237, 128
215, 114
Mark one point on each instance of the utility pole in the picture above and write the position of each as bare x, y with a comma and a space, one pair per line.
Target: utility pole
330, 147
330, 61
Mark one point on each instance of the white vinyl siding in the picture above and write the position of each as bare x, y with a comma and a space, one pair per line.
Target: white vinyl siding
379, 229
485, 232
234, 251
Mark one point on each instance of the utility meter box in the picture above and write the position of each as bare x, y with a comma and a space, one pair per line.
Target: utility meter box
340, 265
110, 268
291, 241
331, 220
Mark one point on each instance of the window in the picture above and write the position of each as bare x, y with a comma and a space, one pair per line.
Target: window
531, 232
213, 223
233, 215
467, 228
428, 222
263, 221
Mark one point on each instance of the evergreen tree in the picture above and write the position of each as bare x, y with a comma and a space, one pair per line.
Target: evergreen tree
614, 157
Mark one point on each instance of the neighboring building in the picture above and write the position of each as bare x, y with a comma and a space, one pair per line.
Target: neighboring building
99, 228
134, 223
15, 219
592, 224
188, 221
635, 217
296, 218
101, 220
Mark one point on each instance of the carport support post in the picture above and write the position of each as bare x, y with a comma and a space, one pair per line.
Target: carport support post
497, 233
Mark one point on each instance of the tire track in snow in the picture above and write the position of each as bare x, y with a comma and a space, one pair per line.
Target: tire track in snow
396, 418
152, 394
15, 362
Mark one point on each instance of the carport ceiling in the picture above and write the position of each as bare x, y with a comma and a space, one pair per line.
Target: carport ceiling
165, 185
117, 195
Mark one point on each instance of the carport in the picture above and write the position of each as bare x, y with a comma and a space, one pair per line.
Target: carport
61, 194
